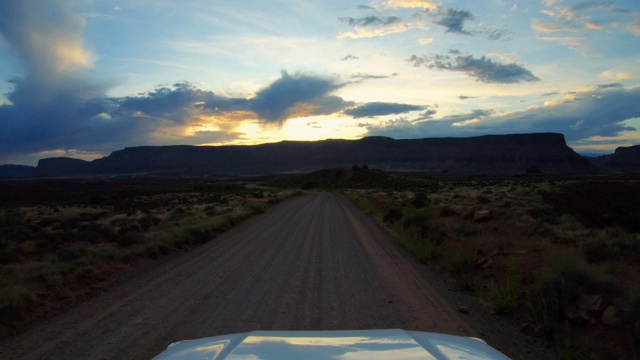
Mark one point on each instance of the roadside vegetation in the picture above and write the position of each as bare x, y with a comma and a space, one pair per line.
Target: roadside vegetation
59, 239
560, 257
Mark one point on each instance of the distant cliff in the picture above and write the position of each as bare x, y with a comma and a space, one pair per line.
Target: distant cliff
485, 154
491, 154
624, 159
61, 166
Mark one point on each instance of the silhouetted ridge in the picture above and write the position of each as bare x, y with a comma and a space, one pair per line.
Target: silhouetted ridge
626, 159
490, 154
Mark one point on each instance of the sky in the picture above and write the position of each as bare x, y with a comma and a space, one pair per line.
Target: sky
84, 78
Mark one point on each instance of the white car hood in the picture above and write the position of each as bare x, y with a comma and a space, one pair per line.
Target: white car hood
342, 344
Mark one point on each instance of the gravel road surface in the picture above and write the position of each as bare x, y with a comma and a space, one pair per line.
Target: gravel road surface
314, 262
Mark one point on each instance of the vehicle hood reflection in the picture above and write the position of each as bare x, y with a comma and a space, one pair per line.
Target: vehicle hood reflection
343, 344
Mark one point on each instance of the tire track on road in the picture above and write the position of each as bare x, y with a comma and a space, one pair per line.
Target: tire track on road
314, 262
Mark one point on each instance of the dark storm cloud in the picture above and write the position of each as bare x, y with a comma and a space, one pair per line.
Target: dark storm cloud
55, 99
275, 103
455, 21
475, 114
380, 109
369, 21
496, 34
35, 30
171, 103
290, 95
428, 114
452, 20
59, 105
609, 86
600, 112
482, 68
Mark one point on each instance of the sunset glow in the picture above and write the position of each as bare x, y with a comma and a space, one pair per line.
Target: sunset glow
93, 77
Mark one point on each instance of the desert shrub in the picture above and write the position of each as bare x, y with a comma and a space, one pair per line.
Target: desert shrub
19, 233
71, 252
182, 240
273, 199
543, 214
564, 277
447, 211
421, 235
67, 235
10, 219
211, 210
47, 221
256, 207
130, 239
131, 228
178, 214
14, 301
96, 232
425, 225
466, 282
507, 204
598, 249
422, 249
46, 242
482, 199
461, 261
148, 221
394, 214
420, 200
157, 248
10, 255
503, 294
44, 274
86, 236
121, 221
467, 230
416, 219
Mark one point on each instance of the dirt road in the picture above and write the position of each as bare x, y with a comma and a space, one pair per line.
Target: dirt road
313, 262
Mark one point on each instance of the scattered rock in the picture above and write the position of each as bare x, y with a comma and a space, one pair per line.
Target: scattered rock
464, 310
586, 306
610, 316
485, 305
484, 262
481, 215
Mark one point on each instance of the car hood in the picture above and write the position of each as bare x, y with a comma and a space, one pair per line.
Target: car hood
342, 344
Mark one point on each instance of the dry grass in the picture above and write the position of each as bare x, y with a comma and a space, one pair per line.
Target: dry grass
52, 252
528, 260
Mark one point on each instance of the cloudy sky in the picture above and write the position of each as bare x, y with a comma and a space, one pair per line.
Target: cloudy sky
86, 77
